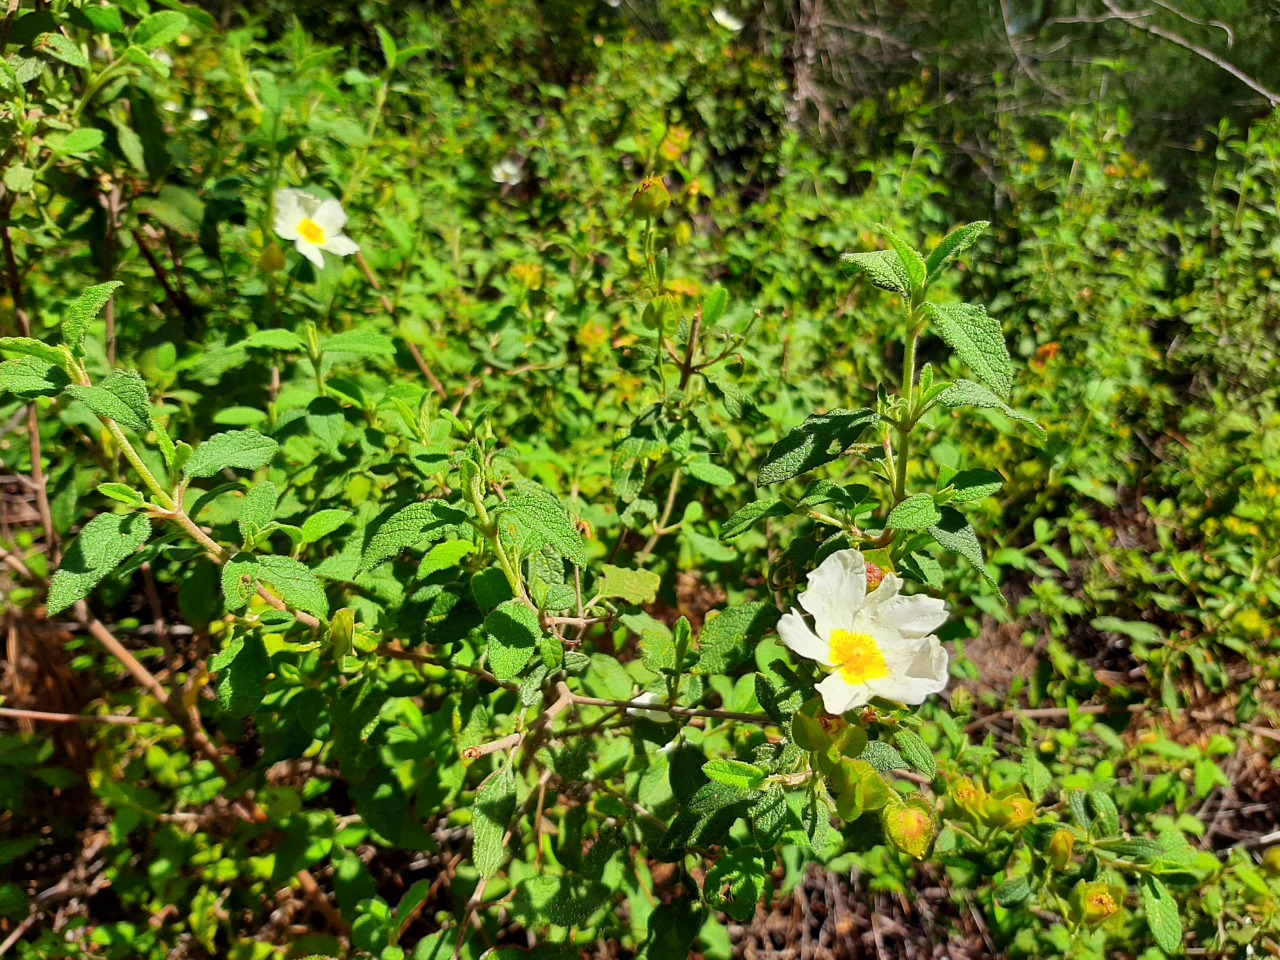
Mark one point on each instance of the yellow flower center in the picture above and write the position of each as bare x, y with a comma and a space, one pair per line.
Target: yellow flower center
857, 657
311, 232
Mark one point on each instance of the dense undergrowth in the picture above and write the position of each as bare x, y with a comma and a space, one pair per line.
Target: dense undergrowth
386, 547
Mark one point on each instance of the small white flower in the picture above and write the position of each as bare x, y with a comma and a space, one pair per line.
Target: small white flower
726, 19
507, 171
876, 644
199, 114
313, 224
658, 716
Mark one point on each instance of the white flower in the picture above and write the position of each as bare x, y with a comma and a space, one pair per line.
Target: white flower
876, 644
199, 115
658, 716
507, 171
726, 19
313, 224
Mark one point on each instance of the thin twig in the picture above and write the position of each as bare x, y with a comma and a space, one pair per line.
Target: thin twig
13, 713
1046, 713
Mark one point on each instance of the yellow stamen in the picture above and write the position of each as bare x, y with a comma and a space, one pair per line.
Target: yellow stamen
857, 656
311, 232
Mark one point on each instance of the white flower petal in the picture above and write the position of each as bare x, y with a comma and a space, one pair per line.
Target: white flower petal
916, 672
311, 252
330, 217
795, 633
288, 214
837, 590
658, 716
916, 616
340, 245
726, 19
839, 696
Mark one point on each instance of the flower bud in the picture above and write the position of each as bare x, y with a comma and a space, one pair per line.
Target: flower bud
341, 629
969, 797
1094, 903
1061, 846
673, 144
1271, 861
528, 275
1011, 813
911, 826
272, 259
650, 200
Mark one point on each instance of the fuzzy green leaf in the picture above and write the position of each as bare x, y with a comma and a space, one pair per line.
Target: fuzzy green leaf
158, 29
293, 580
235, 449
750, 515
883, 757
322, 523
495, 809
954, 533
242, 674
257, 509
970, 485
104, 544
1162, 913
916, 752
966, 393
121, 397
30, 377
912, 262
914, 513
35, 348
274, 339
633, 586
769, 817
444, 555
727, 638
733, 773
952, 245
881, 267
1013, 892
566, 902
85, 308
61, 48
817, 441
536, 520
359, 343
512, 631
122, 493
977, 339
714, 305
703, 469
431, 519
737, 882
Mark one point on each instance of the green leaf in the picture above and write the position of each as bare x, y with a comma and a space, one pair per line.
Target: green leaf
242, 674
916, 752
322, 523
882, 267
952, 245
1162, 913
737, 882
733, 773
978, 340
158, 29
35, 348
293, 580
714, 305
769, 817
1013, 892
633, 586
30, 377
122, 494
1139, 850
495, 809
72, 142
84, 310
1035, 776
703, 469
275, 340
711, 798
257, 509
819, 440
750, 515
432, 519
566, 902
360, 343
512, 631
966, 393
235, 450
445, 555
912, 262
536, 520
970, 485
19, 178
954, 533
388, 45
61, 48
914, 513
727, 638
1104, 809
104, 544
883, 757
121, 397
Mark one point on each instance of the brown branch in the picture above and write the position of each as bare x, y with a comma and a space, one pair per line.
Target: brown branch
161, 275
1050, 713
43, 716
390, 310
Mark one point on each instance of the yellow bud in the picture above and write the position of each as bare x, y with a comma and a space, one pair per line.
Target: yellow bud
675, 143
528, 275
1061, 846
1271, 861
272, 259
341, 629
650, 200
969, 797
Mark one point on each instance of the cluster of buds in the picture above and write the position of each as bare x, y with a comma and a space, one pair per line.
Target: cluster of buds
1007, 809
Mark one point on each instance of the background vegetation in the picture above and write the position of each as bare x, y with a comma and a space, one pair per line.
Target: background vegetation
1130, 181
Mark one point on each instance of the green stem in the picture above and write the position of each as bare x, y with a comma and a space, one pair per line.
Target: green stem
909, 420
